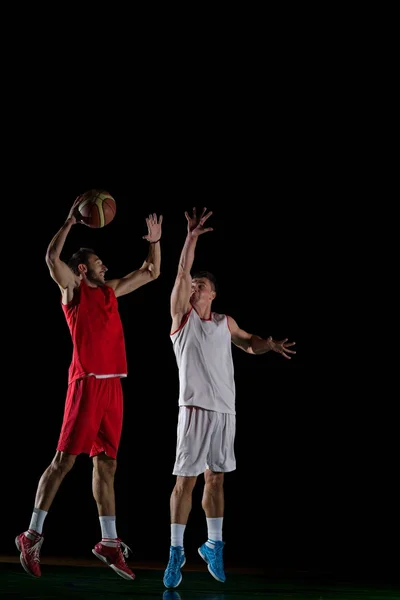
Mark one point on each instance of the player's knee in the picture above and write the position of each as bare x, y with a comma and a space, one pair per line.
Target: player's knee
214, 480
184, 485
104, 466
63, 463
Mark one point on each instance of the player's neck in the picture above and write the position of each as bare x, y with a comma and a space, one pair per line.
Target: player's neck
204, 312
92, 284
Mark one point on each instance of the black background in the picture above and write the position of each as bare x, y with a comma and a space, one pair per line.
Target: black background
263, 141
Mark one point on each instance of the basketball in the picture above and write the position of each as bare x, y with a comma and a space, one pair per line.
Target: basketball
97, 208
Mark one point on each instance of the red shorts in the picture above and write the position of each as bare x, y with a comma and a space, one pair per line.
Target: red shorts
92, 417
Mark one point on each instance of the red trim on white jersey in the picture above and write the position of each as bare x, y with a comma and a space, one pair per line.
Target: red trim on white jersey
183, 323
209, 318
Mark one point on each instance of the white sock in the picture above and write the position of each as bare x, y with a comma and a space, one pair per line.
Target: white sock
214, 527
108, 531
177, 532
37, 520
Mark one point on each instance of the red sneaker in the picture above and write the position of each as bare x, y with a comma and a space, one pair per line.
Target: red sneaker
115, 558
29, 544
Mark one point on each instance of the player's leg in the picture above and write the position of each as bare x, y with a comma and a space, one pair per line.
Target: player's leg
30, 541
110, 549
104, 468
220, 460
180, 507
193, 437
77, 433
181, 502
213, 499
51, 480
213, 506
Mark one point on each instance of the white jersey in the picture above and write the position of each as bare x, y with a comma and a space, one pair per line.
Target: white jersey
204, 357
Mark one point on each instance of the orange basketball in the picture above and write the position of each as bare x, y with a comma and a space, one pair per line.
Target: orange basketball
97, 208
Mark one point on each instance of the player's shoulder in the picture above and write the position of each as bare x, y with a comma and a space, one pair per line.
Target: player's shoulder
231, 322
109, 290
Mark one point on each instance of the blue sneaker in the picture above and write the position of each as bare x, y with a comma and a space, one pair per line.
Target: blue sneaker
172, 574
214, 560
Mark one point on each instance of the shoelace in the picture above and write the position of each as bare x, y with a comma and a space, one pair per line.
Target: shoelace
126, 549
218, 554
35, 550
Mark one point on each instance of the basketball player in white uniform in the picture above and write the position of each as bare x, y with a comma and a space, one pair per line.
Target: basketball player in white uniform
206, 424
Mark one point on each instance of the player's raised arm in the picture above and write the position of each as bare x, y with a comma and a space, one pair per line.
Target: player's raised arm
150, 269
59, 270
181, 291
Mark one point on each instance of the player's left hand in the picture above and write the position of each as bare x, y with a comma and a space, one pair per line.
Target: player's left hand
74, 215
282, 347
154, 228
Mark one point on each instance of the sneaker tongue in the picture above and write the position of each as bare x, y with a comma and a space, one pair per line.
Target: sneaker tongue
176, 556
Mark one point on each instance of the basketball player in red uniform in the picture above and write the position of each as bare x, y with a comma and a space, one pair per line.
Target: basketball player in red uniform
92, 421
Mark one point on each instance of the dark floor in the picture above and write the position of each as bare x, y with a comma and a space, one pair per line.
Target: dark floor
64, 578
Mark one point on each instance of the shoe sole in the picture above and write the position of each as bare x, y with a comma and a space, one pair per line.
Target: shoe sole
172, 587
208, 566
114, 568
21, 560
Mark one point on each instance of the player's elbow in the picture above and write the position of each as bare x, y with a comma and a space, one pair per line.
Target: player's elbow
52, 255
50, 258
154, 271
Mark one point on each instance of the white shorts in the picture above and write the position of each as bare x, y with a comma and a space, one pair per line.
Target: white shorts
205, 440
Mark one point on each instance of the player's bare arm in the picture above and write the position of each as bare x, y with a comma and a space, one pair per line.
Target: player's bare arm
180, 295
253, 344
59, 270
150, 269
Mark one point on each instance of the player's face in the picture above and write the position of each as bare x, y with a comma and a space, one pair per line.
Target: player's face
96, 270
202, 291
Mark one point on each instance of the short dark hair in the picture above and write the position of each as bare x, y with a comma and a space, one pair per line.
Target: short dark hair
207, 275
80, 257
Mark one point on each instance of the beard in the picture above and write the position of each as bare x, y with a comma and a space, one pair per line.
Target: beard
94, 277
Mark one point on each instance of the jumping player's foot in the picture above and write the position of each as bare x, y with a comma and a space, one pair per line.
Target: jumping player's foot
172, 574
29, 544
114, 557
213, 558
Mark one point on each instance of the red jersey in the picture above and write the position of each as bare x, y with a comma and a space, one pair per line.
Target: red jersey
97, 335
